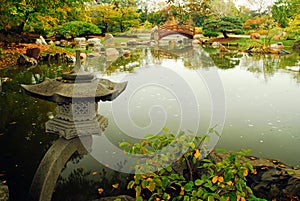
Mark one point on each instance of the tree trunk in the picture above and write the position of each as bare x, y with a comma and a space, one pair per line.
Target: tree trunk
225, 34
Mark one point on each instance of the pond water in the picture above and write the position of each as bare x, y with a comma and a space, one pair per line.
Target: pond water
252, 100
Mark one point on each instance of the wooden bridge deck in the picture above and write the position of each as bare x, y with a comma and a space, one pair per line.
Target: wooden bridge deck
186, 30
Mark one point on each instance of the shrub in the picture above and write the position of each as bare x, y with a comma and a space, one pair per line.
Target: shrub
204, 180
77, 28
41, 24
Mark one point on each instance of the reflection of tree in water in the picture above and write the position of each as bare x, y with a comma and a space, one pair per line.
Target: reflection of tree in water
83, 184
267, 64
125, 64
226, 60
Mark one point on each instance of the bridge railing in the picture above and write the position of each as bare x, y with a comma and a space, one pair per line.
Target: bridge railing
187, 29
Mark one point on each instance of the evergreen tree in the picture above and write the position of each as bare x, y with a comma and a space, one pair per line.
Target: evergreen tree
224, 25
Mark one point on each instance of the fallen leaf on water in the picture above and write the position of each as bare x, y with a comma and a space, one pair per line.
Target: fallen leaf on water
100, 191
115, 185
12, 123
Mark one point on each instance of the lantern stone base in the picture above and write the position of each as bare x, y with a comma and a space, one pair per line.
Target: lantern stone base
71, 129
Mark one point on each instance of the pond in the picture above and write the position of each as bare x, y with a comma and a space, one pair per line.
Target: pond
252, 100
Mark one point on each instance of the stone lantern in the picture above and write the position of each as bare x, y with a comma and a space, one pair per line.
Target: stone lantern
77, 94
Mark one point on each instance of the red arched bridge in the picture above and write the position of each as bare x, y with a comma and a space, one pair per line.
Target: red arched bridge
186, 30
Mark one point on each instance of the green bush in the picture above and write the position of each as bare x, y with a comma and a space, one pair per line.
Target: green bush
205, 180
41, 24
77, 28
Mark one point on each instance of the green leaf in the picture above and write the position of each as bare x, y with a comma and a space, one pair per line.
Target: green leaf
192, 145
165, 129
152, 186
131, 184
169, 169
211, 198
138, 189
199, 182
189, 186
144, 183
122, 144
165, 182
139, 198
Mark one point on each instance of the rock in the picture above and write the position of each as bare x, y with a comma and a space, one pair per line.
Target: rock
38, 41
111, 53
43, 40
109, 39
25, 60
126, 53
255, 36
132, 42
278, 46
93, 55
64, 43
57, 43
273, 179
154, 34
70, 59
51, 43
94, 44
33, 52
198, 38
80, 42
195, 42
4, 192
120, 197
296, 46
215, 44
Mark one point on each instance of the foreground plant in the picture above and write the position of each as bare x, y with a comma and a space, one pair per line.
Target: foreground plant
202, 179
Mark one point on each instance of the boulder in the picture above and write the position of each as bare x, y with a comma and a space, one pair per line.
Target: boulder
215, 44
198, 37
111, 53
255, 36
132, 42
109, 39
33, 52
195, 42
273, 179
278, 46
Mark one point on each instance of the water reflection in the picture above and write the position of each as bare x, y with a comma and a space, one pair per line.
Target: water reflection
262, 114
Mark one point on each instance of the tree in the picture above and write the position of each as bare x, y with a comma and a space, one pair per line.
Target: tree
14, 14
223, 8
293, 28
283, 10
223, 25
109, 17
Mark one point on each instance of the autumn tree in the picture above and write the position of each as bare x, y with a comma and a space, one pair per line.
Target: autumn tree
224, 25
283, 10
111, 18
15, 14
